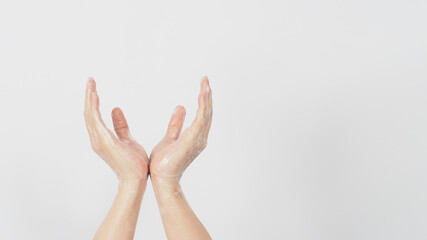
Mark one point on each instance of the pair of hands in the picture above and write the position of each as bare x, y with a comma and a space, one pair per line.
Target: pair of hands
171, 156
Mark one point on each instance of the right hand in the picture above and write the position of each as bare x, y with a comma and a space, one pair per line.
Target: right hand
174, 153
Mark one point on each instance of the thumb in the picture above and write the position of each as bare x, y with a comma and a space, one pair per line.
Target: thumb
175, 124
120, 124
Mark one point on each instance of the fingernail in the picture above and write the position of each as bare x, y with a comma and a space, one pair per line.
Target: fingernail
90, 79
207, 88
175, 110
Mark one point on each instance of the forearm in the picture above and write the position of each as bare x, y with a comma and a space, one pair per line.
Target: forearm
178, 218
121, 220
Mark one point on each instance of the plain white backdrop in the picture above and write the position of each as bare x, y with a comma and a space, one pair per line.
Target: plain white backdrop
319, 128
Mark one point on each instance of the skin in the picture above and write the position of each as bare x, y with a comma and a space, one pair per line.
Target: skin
168, 161
126, 158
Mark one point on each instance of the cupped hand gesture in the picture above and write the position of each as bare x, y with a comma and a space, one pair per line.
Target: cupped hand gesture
174, 153
122, 153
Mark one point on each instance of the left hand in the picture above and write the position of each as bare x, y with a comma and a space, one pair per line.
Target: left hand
126, 157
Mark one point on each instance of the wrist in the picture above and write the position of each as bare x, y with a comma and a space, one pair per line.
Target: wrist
169, 195
164, 182
166, 187
132, 185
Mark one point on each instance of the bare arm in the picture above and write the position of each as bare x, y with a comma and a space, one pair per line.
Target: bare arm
169, 160
126, 158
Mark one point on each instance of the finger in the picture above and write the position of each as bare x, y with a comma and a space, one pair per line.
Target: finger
99, 125
209, 112
121, 126
90, 87
93, 135
175, 124
199, 121
94, 105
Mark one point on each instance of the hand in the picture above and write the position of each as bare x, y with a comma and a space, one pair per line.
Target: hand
124, 155
174, 153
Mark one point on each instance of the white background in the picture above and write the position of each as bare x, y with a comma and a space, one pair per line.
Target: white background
320, 121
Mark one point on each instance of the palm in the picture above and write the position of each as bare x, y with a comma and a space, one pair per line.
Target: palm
168, 160
135, 155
